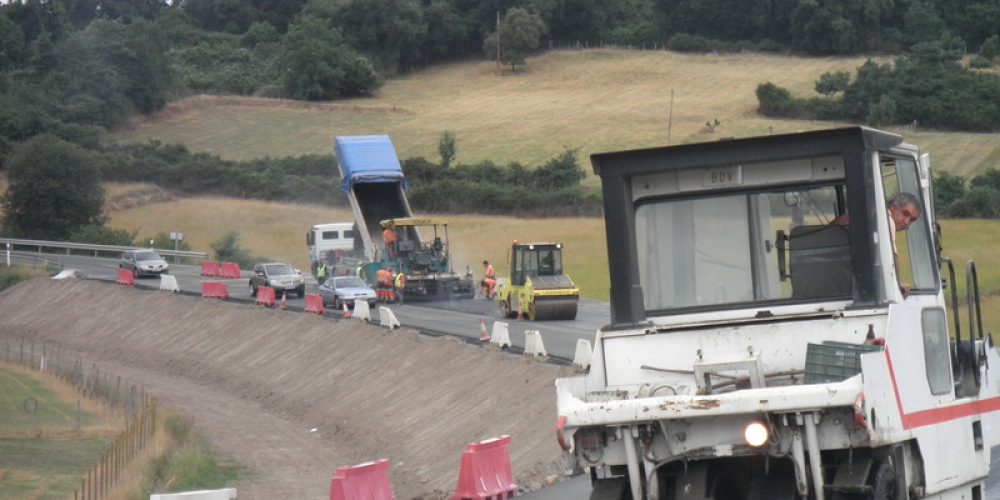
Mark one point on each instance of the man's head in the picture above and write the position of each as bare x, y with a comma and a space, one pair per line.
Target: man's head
904, 208
486, 263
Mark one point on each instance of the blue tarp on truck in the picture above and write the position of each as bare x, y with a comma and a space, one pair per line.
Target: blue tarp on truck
367, 159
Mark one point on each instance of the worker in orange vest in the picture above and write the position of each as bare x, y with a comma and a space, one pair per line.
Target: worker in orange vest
489, 281
389, 238
383, 283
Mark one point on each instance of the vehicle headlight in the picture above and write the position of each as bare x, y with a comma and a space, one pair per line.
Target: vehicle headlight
756, 434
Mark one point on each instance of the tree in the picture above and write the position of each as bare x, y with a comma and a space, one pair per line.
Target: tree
12, 48
518, 35
990, 48
446, 148
921, 23
54, 188
831, 83
227, 248
390, 32
317, 63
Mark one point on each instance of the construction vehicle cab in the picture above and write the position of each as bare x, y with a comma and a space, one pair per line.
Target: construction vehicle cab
776, 333
537, 288
424, 259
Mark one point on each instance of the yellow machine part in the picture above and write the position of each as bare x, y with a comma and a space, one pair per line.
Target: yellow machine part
549, 298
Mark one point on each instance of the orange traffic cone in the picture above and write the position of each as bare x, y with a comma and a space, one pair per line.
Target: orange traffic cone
284, 304
347, 312
483, 334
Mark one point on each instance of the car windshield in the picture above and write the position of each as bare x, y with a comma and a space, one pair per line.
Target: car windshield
348, 282
278, 270
722, 249
147, 256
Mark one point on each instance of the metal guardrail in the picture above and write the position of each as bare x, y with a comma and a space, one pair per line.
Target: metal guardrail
90, 247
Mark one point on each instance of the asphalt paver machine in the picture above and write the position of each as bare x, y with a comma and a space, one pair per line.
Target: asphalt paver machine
776, 334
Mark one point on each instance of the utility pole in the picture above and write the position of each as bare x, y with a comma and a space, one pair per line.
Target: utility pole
498, 39
670, 119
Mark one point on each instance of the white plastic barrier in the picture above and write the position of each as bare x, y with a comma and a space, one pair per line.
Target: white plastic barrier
65, 273
584, 355
387, 318
501, 335
223, 494
533, 345
168, 283
361, 311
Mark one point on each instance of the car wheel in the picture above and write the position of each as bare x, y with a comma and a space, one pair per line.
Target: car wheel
253, 290
135, 273
301, 292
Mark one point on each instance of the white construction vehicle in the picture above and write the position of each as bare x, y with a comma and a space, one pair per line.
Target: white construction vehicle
768, 343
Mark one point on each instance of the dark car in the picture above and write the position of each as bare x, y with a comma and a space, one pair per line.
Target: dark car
338, 289
279, 276
143, 263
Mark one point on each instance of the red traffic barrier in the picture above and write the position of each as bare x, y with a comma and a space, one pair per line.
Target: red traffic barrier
485, 472
125, 277
214, 290
368, 481
314, 303
210, 268
265, 296
229, 270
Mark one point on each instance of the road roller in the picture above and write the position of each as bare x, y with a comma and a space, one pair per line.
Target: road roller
537, 289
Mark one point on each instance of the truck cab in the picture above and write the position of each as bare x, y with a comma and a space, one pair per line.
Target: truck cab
779, 328
330, 244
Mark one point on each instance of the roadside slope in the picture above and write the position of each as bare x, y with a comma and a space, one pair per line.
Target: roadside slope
256, 382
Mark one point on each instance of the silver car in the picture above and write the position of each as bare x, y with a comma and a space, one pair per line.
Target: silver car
144, 263
279, 276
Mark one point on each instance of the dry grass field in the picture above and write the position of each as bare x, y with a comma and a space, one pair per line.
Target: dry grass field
592, 100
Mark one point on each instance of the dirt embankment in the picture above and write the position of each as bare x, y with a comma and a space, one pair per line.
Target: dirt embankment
293, 396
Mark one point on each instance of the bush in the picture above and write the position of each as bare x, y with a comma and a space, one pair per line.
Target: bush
948, 188
773, 100
103, 235
979, 202
683, 42
228, 249
979, 62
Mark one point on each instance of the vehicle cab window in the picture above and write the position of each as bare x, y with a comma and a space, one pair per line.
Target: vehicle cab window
909, 225
766, 244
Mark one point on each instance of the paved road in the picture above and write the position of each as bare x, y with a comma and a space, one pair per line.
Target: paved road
459, 318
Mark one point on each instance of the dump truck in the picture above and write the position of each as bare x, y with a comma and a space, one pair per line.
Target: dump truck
780, 329
375, 185
424, 259
373, 180
537, 289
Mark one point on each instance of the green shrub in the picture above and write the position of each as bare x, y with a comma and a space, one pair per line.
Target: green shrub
979, 202
979, 62
683, 42
103, 235
773, 100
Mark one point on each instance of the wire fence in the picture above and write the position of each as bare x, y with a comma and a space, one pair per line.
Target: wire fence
137, 407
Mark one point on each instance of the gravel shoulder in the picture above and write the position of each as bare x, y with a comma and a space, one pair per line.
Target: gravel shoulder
294, 396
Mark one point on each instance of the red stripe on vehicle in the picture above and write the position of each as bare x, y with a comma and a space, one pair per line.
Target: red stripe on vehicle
937, 415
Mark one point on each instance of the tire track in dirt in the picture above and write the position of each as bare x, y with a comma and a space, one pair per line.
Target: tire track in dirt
255, 381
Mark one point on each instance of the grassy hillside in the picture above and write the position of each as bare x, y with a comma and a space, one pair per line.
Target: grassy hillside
593, 100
